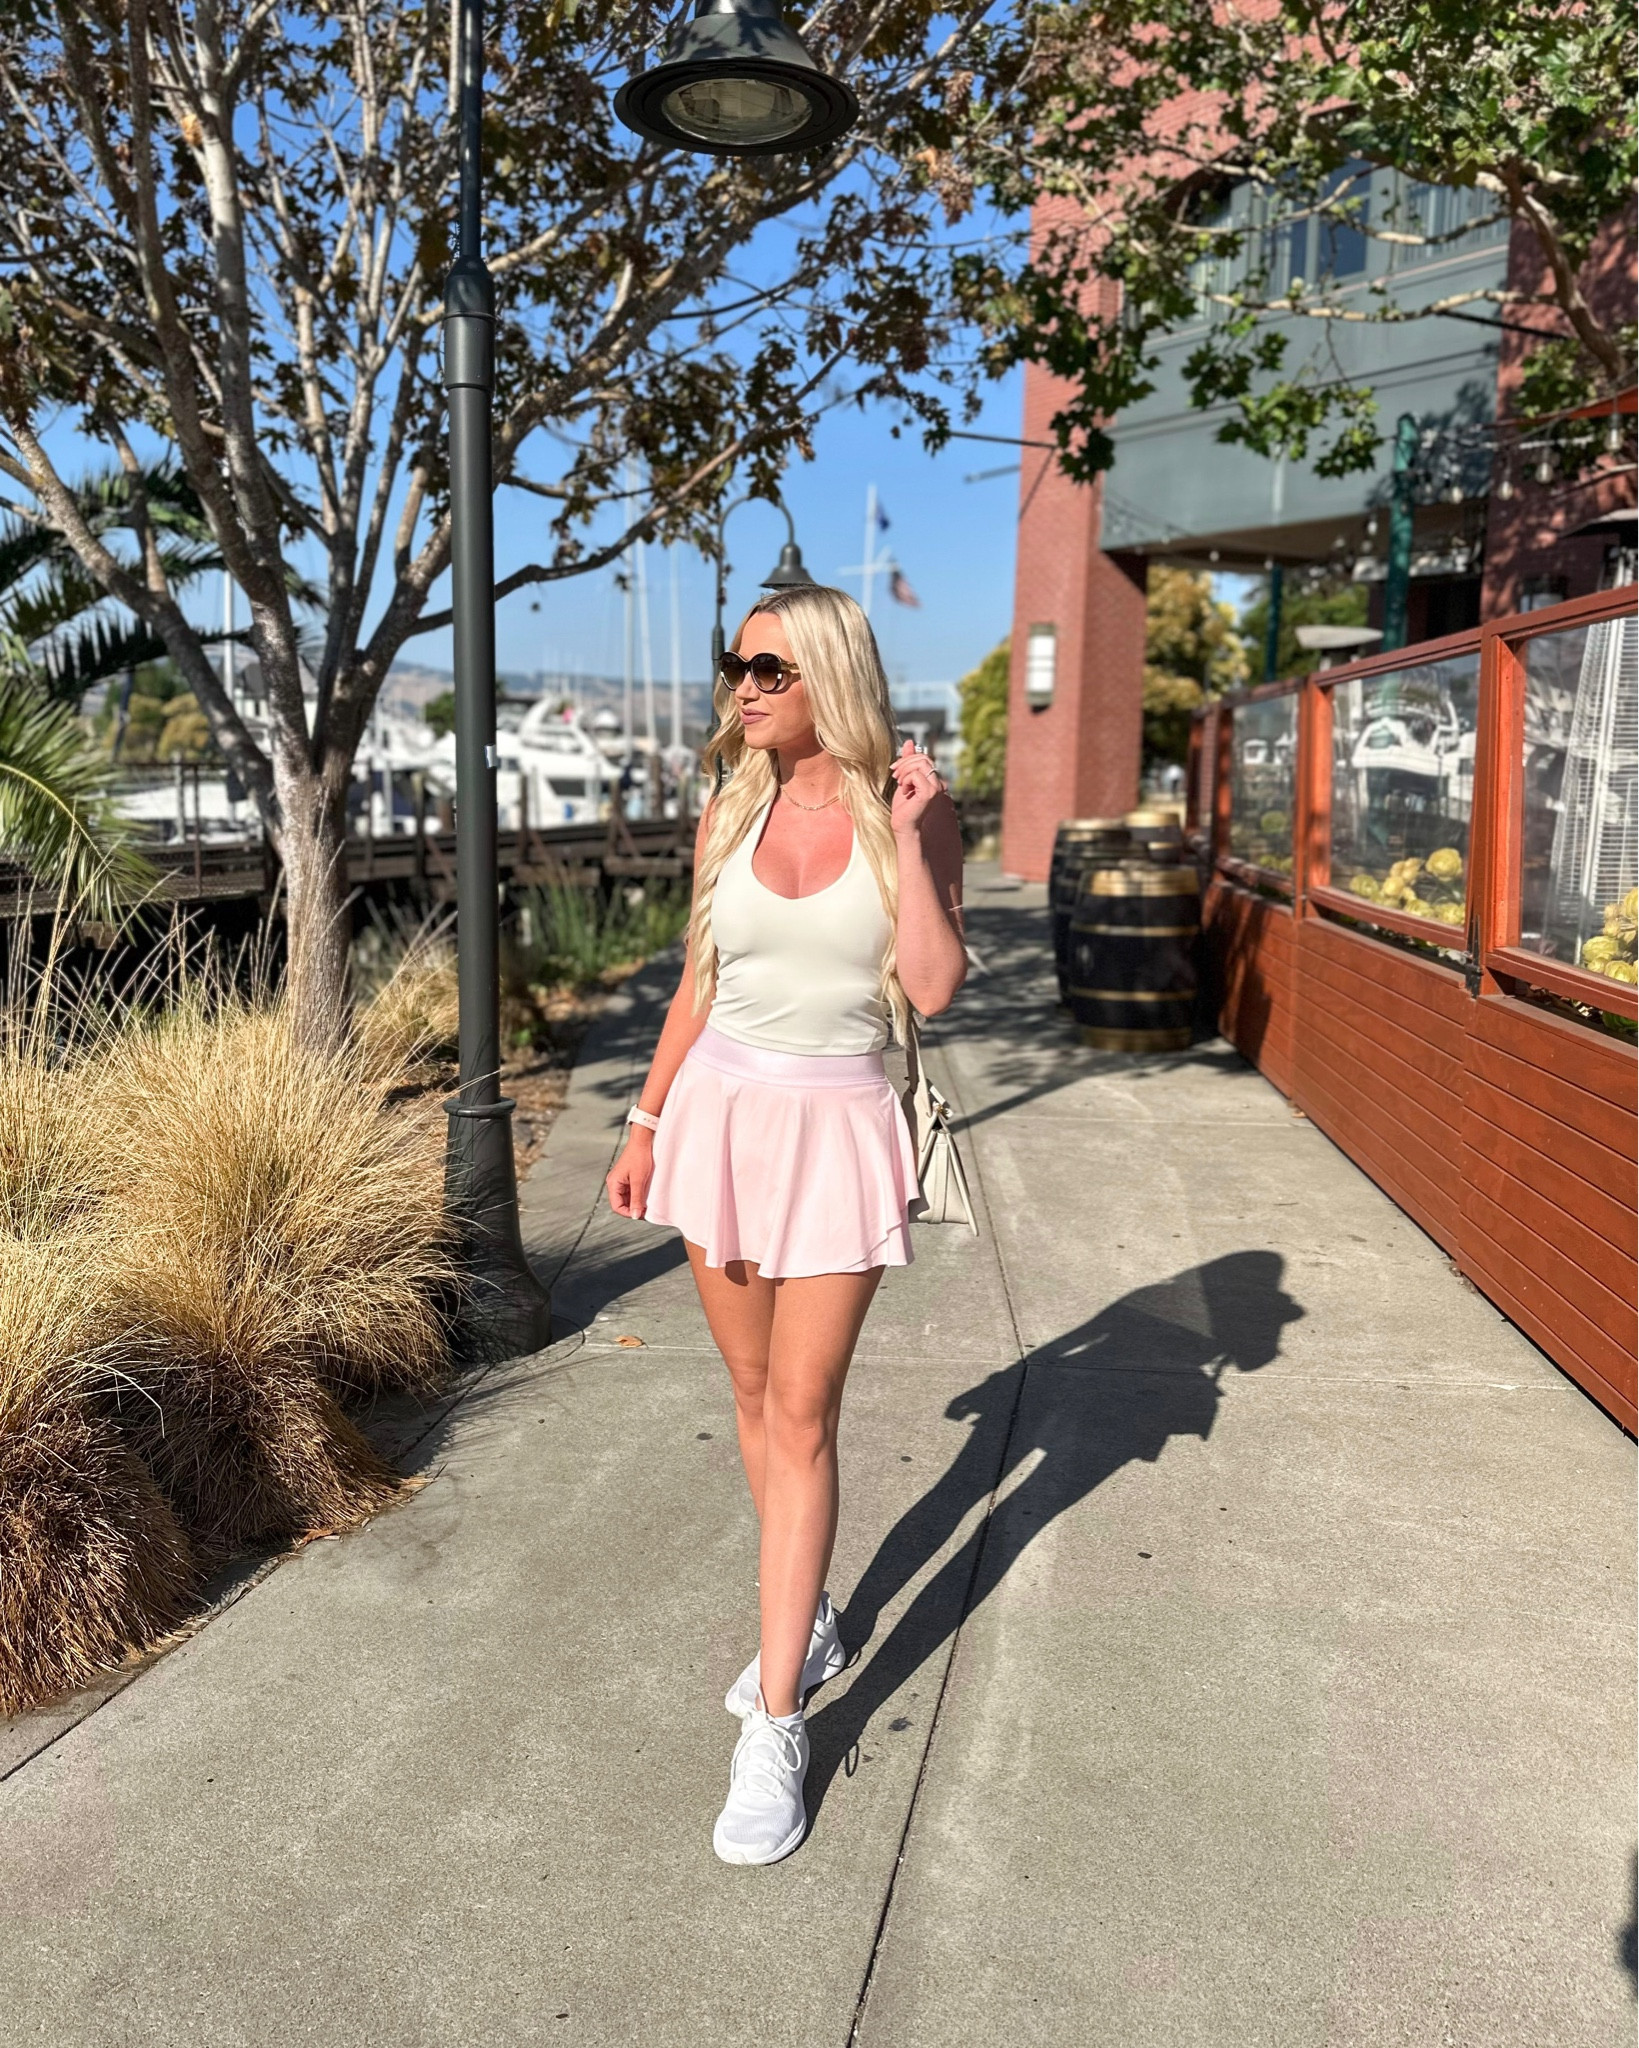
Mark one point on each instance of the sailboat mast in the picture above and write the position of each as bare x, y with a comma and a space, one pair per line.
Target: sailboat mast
677, 653
649, 730
230, 683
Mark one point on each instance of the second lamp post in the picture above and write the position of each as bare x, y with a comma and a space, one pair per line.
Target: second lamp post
734, 81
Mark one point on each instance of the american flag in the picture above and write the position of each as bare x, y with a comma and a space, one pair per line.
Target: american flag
900, 591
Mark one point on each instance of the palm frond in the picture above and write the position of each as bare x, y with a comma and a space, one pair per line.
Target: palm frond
67, 666
54, 596
57, 819
23, 547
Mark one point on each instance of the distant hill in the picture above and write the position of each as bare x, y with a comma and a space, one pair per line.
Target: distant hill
408, 689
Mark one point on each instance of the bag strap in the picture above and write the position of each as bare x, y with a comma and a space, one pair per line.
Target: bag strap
913, 1052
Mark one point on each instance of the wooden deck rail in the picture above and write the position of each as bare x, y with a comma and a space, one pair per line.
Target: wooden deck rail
1504, 1128
201, 870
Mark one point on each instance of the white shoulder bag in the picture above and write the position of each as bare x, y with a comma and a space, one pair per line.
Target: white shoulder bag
945, 1197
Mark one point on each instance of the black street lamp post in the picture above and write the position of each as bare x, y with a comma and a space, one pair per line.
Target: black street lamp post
735, 81
505, 1310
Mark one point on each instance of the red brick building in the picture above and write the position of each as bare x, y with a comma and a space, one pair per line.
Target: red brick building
1075, 709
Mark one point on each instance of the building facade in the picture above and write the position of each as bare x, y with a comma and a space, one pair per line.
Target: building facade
1488, 536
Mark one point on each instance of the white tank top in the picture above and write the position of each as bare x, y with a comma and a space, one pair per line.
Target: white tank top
799, 974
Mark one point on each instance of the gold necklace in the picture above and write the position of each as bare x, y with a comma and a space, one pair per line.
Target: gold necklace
790, 799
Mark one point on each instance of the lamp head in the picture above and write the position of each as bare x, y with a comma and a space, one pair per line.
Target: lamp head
735, 81
788, 572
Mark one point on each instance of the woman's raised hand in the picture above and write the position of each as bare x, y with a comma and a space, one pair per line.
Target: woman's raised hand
916, 783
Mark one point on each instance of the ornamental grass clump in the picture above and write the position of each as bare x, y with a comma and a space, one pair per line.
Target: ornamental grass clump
281, 1248
49, 1173
415, 1013
93, 1562
213, 1239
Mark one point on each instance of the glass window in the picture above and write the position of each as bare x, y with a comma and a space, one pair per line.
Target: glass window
1580, 851
1263, 746
1455, 220
1403, 787
1319, 247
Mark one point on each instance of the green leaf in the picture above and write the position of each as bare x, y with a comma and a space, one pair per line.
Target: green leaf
57, 819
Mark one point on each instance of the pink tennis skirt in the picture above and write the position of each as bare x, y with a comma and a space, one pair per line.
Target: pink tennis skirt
798, 1164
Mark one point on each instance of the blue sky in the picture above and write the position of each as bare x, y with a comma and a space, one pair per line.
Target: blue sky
954, 541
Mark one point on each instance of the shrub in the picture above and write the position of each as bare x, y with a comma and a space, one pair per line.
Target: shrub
280, 1244
568, 936
210, 1239
413, 1011
984, 728
93, 1562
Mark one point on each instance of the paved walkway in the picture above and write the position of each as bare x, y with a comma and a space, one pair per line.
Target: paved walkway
1245, 1615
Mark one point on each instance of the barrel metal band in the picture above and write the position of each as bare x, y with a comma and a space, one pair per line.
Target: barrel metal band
1136, 995
1141, 931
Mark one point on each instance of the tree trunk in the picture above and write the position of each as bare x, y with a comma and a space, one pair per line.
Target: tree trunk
317, 918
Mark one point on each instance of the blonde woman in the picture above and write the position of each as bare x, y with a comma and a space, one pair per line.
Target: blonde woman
766, 1132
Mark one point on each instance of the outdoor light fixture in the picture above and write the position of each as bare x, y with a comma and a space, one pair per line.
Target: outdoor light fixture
735, 81
788, 572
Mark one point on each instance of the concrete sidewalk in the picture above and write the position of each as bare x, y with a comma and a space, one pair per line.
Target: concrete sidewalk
1245, 1616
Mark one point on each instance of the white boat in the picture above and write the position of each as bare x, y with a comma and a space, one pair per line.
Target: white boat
559, 766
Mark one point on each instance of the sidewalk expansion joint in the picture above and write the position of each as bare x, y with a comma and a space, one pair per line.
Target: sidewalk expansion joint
1021, 1358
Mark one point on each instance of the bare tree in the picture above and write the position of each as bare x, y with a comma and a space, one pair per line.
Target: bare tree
225, 228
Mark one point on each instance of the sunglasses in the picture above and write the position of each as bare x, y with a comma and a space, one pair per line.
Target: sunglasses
767, 671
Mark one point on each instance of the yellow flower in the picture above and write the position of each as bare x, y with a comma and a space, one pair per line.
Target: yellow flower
1445, 864
1365, 885
1622, 970
1595, 952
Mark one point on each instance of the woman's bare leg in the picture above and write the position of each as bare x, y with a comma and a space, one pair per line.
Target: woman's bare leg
739, 1306
816, 1323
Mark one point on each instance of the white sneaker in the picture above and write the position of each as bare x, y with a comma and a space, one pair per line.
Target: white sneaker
764, 1818
826, 1657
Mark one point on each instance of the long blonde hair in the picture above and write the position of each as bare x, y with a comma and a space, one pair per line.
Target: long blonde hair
834, 648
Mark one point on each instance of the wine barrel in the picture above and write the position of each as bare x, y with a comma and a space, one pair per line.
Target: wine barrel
1132, 957
1157, 834
1079, 844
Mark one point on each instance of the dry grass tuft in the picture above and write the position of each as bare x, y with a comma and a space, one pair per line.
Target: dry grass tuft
281, 1244
211, 1237
415, 1014
49, 1179
250, 1450
92, 1560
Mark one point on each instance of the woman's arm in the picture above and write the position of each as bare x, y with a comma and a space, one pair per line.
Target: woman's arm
932, 953
629, 1177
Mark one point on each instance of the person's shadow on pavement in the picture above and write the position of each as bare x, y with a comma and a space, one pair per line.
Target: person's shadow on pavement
1144, 1370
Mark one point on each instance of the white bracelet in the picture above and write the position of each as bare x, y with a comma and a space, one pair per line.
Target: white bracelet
641, 1116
